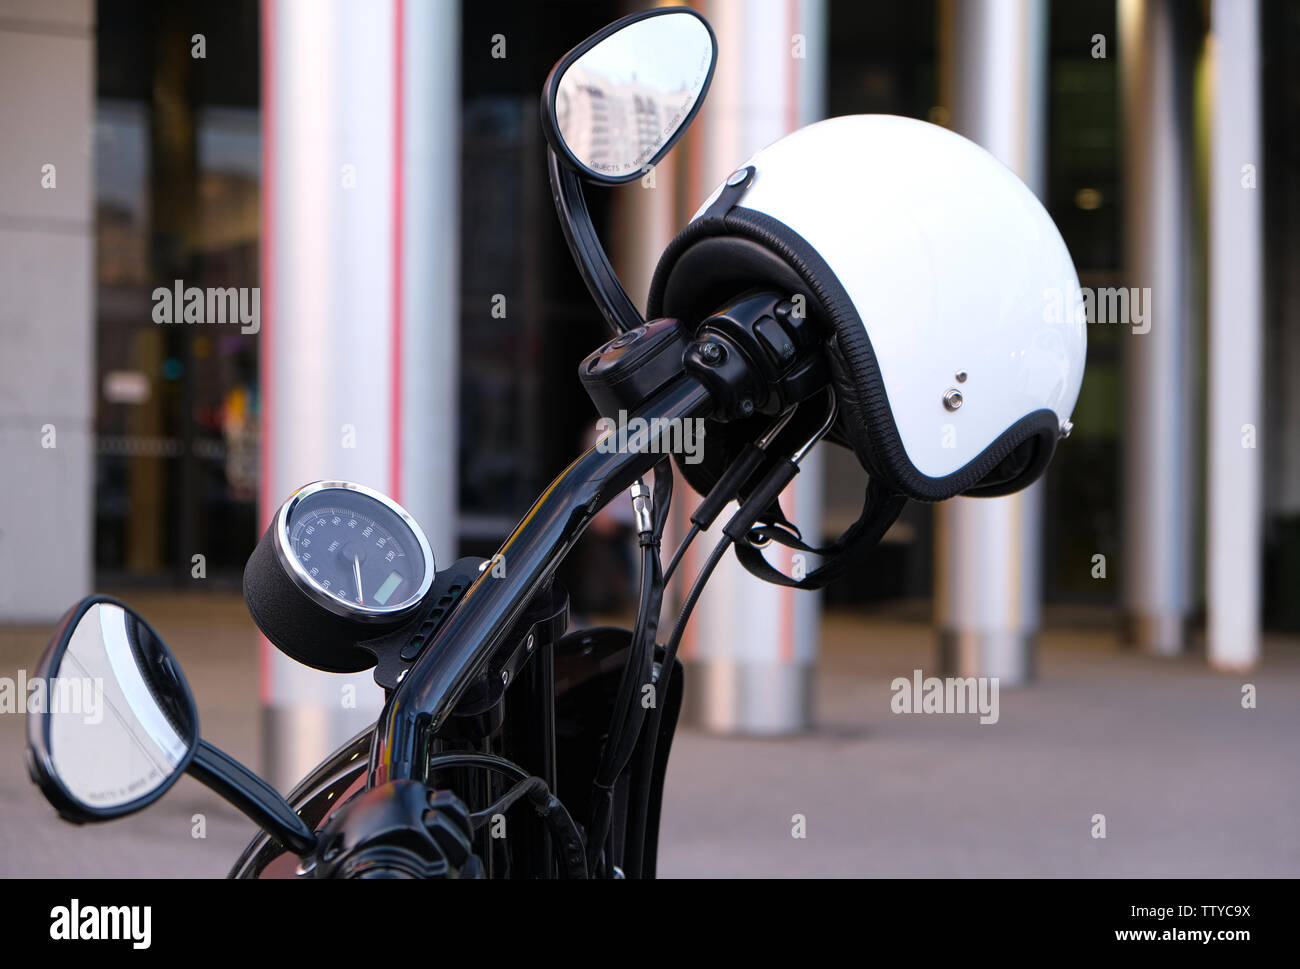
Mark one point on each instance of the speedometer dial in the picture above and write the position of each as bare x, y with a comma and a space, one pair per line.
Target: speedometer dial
353, 551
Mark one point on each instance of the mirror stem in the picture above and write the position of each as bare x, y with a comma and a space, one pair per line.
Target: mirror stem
252, 795
593, 263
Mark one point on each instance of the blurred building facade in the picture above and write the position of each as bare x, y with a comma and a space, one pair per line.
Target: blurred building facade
160, 454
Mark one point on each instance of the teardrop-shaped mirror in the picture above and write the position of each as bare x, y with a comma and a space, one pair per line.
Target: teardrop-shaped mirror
116, 725
617, 102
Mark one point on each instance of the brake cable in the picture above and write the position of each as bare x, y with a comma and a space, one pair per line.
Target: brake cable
629, 714
733, 478
737, 528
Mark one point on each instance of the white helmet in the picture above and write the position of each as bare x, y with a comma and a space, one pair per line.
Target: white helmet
957, 330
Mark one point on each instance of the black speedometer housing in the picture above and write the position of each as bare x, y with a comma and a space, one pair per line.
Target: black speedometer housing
340, 563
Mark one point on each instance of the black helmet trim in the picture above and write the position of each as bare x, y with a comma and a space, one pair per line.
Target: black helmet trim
1012, 461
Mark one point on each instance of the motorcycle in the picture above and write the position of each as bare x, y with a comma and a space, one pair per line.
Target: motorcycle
493, 708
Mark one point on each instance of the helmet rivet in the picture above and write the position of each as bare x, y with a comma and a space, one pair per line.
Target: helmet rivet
1066, 428
738, 176
961, 376
952, 399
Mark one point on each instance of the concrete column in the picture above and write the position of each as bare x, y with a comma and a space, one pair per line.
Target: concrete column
751, 647
1236, 340
360, 284
988, 550
1155, 83
47, 367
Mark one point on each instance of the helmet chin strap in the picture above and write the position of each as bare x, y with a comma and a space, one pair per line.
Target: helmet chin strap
880, 509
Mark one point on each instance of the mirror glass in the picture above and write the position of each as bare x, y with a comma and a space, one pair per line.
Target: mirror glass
622, 101
122, 721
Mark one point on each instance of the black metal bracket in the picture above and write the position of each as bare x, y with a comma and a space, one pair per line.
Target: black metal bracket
397, 651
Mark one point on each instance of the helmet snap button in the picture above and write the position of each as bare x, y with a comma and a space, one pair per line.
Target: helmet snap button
952, 399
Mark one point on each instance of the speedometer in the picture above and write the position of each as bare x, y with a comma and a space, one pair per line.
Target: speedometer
339, 565
353, 551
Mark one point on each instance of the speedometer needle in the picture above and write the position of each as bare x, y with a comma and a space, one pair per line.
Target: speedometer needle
356, 570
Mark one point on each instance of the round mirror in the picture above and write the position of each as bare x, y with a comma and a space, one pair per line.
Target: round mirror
620, 100
118, 724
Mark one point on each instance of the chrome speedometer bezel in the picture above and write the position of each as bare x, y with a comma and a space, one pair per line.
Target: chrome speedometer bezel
322, 597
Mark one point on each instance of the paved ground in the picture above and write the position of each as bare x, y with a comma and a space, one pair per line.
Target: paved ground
1190, 783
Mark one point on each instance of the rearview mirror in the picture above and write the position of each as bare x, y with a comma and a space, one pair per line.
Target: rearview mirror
118, 724
616, 103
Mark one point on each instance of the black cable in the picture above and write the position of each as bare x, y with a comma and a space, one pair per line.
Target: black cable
636, 830
629, 713
728, 486
611, 763
485, 761
507, 800
681, 550
670, 651
759, 499
548, 807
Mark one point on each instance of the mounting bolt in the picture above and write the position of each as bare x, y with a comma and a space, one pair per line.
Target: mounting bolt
505, 676
952, 399
711, 353
530, 643
746, 407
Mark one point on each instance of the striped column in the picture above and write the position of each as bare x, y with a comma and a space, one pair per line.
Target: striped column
359, 295
1236, 341
751, 647
1158, 468
988, 550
